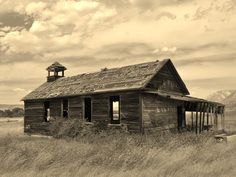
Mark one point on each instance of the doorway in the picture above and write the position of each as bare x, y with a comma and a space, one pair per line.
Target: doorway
180, 117
46, 111
87, 109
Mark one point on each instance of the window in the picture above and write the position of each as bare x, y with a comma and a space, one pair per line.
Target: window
65, 108
46, 111
87, 109
115, 109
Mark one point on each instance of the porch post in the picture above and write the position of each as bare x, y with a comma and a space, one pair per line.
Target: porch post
203, 118
192, 119
196, 118
200, 120
223, 114
208, 117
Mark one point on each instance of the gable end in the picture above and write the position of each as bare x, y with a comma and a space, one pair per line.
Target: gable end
168, 80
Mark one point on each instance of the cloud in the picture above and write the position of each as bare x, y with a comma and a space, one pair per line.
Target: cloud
201, 13
88, 35
113, 55
57, 25
168, 49
35, 7
143, 5
14, 21
153, 4
214, 59
19, 90
167, 15
165, 50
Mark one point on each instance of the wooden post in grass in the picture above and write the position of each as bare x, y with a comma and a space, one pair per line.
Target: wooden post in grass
196, 119
210, 121
208, 109
216, 118
192, 120
200, 119
203, 118
223, 123
212, 115
217, 123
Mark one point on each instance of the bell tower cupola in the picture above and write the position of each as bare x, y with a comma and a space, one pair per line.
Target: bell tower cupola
55, 71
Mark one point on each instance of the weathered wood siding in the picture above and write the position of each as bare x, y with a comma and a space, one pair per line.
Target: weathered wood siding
130, 111
34, 118
159, 113
76, 107
55, 108
100, 108
166, 81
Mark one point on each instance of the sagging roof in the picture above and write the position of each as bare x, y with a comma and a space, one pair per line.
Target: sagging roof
131, 77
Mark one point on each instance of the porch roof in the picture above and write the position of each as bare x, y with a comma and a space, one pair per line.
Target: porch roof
184, 98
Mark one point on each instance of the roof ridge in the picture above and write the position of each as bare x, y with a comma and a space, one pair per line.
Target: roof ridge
108, 69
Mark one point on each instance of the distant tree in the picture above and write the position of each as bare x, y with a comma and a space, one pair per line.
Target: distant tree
2, 113
15, 112
8, 113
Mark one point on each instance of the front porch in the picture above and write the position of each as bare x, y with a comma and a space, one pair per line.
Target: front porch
196, 114
204, 115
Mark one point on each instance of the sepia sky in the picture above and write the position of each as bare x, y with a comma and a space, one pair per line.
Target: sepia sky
85, 36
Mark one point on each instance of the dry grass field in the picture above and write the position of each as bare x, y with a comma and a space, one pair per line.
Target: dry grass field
165, 155
230, 121
11, 126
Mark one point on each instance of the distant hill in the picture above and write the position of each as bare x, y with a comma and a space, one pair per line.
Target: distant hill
10, 106
220, 96
227, 97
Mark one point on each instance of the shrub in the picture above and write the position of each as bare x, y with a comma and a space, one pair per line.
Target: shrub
72, 128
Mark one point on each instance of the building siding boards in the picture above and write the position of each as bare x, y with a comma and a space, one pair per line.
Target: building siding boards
55, 108
129, 111
76, 107
166, 81
159, 113
100, 108
34, 118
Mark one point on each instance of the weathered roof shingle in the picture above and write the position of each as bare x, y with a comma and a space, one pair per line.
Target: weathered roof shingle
117, 79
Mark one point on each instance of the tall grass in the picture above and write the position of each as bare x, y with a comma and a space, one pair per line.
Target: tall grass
118, 155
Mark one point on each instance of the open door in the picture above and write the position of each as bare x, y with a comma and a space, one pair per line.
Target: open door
87, 109
46, 111
180, 117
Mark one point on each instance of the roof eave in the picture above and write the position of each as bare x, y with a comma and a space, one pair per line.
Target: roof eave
85, 93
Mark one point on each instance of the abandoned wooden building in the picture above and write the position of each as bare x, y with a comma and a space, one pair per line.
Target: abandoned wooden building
140, 97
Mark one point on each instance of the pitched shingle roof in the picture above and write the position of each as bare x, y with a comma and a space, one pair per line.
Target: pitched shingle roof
131, 77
